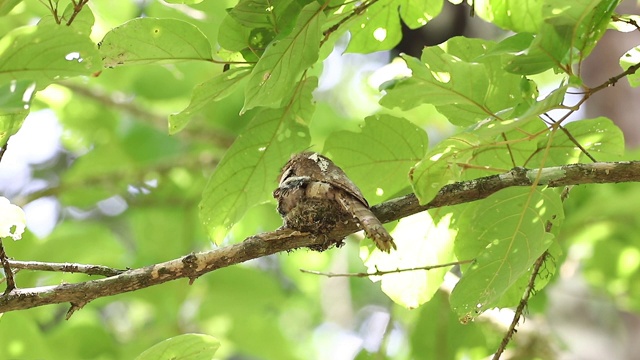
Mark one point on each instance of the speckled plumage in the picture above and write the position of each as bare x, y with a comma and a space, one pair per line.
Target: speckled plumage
314, 195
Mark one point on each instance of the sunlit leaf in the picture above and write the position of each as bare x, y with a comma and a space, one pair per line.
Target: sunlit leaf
46, 53
247, 173
600, 137
578, 27
629, 59
149, 40
10, 123
183, 347
387, 146
519, 16
284, 60
442, 165
505, 233
457, 77
421, 243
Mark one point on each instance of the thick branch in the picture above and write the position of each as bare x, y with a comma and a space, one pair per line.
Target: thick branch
194, 265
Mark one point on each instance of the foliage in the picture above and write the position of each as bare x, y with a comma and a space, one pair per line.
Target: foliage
240, 86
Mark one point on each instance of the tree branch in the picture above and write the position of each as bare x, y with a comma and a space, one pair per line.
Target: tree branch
65, 267
196, 264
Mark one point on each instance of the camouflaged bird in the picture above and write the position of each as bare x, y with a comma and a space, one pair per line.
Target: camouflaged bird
314, 195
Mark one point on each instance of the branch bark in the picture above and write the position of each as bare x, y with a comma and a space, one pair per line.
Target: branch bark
194, 265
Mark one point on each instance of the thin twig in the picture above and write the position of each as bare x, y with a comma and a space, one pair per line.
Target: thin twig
8, 273
384, 272
77, 7
65, 267
522, 305
357, 10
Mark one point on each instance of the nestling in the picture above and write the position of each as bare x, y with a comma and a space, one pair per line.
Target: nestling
314, 195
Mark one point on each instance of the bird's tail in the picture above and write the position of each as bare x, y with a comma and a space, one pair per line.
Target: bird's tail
369, 222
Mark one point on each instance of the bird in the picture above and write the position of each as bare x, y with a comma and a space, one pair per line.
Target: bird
314, 195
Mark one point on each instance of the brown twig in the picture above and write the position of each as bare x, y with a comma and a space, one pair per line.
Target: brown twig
357, 10
8, 273
77, 7
65, 267
194, 265
521, 305
626, 21
384, 272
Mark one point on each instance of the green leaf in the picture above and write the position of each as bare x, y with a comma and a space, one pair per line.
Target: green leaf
421, 243
387, 146
46, 53
189, 2
565, 28
284, 60
518, 16
377, 29
588, 20
631, 58
232, 35
491, 127
248, 171
212, 90
149, 40
10, 123
82, 22
183, 347
416, 13
463, 83
600, 137
505, 233
7, 5
15, 101
451, 339
442, 165
254, 13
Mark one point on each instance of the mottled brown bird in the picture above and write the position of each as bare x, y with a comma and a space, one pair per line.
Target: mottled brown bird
314, 195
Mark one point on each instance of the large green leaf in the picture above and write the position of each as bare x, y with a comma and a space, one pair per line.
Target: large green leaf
148, 40
248, 171
387, 146
378, 27
421, 242
46, 53
600, 137
505, 234
284, 60
457, 77
183, 347
517, 16
565, 28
